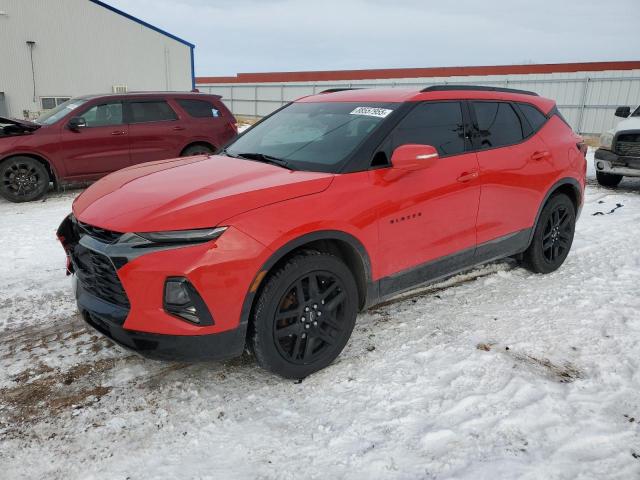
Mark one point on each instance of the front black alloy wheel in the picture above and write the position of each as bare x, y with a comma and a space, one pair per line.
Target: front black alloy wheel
23, 179
553, 236
304, 315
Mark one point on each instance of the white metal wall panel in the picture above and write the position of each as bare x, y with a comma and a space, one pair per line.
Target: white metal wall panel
586, 99
82, 48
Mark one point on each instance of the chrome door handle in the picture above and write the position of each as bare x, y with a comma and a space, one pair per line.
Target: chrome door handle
119, 132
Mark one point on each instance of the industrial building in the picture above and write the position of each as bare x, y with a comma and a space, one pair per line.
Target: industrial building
586, 93
51, 51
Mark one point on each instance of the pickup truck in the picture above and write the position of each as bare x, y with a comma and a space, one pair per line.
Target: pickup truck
619, 152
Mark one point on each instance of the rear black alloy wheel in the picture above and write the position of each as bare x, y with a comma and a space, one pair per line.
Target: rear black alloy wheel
304, 315
23, 179
198, 149
553, 236
558, 234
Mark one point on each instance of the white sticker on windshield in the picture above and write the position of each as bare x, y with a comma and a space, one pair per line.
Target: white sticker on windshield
371, 112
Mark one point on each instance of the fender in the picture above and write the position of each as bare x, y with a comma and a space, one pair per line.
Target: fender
277, 255
563, 181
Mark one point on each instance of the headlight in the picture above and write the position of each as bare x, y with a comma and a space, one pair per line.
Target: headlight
606, 140
184, 236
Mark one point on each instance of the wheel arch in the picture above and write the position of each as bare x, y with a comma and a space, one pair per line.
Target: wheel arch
570, 187
341, 244
53, 175
199, 142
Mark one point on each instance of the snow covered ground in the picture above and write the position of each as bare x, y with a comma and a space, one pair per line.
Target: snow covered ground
494, 374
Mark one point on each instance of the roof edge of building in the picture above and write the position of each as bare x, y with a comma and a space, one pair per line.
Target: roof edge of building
390, 73
142, 22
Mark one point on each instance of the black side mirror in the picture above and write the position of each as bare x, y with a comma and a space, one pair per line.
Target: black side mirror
623, 112
76, 123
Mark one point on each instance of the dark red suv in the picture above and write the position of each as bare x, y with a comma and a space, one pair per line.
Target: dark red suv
334, 203
87, 137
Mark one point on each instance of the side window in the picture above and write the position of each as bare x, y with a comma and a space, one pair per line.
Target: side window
103, 115
153, 111
199, 108
439, 124
498, 124
534, 116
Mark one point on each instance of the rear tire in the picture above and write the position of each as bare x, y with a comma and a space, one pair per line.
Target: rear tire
608, 179
553, 235
23, 179
304, 315
198, 149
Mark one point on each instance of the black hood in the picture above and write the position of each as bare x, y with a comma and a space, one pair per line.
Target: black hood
15, 126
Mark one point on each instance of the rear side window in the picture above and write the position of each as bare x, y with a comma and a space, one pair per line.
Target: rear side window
534, 116
154, 111
438, 124
498, 124
199, 108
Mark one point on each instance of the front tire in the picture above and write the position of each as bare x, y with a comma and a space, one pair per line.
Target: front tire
304, 315
553, 235
23, 179
608, 179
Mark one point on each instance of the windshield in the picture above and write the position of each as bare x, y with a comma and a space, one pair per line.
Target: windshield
636, 113
312, 136
52, 116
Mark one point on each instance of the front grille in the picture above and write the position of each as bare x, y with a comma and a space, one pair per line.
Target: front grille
106, 236
628, 149
98, 276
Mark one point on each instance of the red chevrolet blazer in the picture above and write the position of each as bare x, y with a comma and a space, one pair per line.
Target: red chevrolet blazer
85, 138
332, 204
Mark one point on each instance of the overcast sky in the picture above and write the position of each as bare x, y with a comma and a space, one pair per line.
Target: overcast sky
285, 35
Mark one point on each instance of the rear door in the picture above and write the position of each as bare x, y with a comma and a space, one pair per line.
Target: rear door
156, 131
430, 213
514, 163
100, 147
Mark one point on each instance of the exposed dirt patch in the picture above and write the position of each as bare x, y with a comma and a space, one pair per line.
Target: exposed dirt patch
565, 372
45, 392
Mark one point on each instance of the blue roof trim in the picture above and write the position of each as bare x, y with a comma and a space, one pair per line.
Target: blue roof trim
193, 71
142, 22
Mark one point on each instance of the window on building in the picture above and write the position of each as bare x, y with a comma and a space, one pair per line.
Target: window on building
198, 108
438, 124
103, 115
152, 111
52, 102
498, 124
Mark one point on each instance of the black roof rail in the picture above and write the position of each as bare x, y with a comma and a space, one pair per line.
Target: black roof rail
449, 87
332, 90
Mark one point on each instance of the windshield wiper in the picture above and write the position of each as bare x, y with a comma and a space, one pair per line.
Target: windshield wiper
261, 157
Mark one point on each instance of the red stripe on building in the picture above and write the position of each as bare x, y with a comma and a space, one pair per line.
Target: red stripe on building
387, 73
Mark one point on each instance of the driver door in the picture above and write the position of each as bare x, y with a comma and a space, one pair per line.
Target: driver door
430, 213
102, 146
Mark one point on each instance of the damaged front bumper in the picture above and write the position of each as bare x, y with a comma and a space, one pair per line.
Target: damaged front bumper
609, 162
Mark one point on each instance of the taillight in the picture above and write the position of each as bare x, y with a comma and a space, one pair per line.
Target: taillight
582, 147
